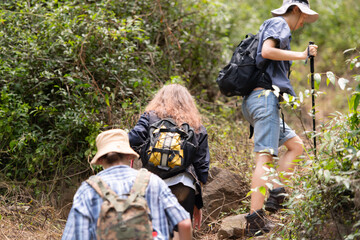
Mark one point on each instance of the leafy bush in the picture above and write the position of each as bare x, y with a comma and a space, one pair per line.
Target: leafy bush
325, 200
71, 68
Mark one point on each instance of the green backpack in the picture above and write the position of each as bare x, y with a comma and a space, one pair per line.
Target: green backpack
123, 218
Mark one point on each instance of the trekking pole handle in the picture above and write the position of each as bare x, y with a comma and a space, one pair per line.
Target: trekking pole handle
310, 43
311, 58
308, 52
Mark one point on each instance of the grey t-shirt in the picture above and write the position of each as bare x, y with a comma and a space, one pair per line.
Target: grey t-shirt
278, 29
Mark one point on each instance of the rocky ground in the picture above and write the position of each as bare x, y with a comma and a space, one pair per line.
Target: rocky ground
223, 196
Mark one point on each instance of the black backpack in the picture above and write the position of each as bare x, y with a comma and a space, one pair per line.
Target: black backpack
241, 75
169, 149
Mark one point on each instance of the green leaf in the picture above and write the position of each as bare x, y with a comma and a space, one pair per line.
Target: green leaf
356, 101
342, 83
317, 78
124, 105
13, 144
349, 50
262, 190
249, 193
320, 172
346, 182
327, 176
327, 136
33, 181
94, 16
353, 63
277, 182
301, 97
269, 185
107, 100
331, 77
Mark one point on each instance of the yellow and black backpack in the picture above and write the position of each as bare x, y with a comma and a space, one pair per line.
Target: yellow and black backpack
169, 149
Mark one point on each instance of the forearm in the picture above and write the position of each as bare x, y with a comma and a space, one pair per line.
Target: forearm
270, 51
282, 55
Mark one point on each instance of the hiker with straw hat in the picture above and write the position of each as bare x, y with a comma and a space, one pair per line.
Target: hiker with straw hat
262, 110
114, 154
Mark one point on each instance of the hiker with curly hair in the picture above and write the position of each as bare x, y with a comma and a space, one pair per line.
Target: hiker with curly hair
262, 110
175, 102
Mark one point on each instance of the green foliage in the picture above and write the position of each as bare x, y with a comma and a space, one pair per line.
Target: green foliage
335, 30
72, 68
69, 69
325, 200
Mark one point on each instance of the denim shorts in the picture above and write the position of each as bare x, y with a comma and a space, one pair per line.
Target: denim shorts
262, 112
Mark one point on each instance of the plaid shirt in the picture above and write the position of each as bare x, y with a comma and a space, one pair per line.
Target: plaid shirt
166, 212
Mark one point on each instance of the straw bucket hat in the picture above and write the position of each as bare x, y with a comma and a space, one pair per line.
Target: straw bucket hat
115, 140
304, 6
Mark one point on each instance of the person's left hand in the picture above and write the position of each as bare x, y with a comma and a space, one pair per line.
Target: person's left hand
197, 216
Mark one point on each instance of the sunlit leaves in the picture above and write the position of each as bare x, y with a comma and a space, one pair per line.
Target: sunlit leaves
354, 63
355, 101
262, 190
330, 78
342, 83
317, 78
327, 176
301, 97
276, 90
71, 69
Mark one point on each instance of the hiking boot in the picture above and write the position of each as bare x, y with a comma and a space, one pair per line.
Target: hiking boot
257, 224
275, 200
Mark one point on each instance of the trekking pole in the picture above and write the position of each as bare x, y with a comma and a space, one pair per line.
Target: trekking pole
312, 93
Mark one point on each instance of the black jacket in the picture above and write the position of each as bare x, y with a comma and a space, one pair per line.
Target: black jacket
201, 162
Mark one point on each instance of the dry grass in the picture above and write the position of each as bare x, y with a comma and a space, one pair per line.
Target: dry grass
22, 217
29, 222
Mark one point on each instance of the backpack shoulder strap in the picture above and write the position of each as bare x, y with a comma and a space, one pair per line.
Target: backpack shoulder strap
104, 190
140, 184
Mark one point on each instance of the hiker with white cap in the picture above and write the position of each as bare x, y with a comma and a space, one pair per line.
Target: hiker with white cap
114, 155
262, 110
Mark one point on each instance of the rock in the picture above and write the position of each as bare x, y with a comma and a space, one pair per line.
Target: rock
232, 227
223, 192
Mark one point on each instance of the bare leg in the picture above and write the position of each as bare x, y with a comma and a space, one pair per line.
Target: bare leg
185, 230
257, 198
294, 149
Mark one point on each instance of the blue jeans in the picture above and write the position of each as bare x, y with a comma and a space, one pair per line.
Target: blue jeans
262, 112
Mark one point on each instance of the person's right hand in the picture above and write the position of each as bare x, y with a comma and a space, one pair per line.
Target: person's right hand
312, 51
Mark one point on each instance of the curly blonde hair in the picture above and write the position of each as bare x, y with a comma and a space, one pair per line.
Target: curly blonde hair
176, 102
